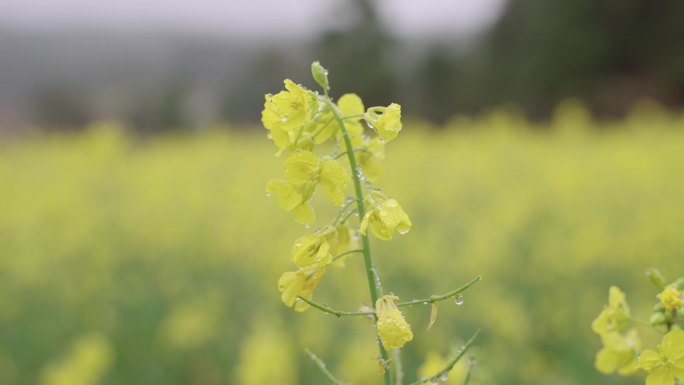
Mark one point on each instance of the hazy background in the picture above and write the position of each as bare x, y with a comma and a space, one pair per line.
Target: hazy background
542, 148
158, 65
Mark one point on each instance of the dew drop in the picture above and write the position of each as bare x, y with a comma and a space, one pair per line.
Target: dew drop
307, 226
403, 232
610, 325
425, 303
434, 382
458, 300
444, 377
268, 195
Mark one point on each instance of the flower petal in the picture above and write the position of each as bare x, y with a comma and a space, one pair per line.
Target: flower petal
334, 179
660, 376
301, 167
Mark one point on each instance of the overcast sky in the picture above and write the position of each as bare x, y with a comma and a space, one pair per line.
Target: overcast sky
287, 18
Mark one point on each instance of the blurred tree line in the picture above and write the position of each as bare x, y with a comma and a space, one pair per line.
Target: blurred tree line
609, 53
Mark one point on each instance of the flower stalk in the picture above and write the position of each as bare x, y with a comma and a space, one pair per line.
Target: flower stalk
374, 283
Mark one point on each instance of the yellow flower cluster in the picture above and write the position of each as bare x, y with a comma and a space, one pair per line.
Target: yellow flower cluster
299, 120
620, 348
312, 253
671, 298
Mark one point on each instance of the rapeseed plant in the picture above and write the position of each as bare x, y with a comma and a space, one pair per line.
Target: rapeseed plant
300, 121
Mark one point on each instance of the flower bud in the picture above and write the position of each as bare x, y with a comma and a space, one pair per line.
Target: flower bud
656, 278
671, 298
320, 75
657, 319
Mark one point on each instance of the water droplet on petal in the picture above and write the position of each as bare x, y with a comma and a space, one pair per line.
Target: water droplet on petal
458, 300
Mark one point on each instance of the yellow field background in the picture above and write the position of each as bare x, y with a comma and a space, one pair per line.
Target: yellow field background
155, 260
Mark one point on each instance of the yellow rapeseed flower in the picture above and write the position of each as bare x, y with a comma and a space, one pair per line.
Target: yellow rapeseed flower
615, 316
299, 283
371, 158
314, 249
671, 298
293, 199
619, 353
666, 364
384, 217
346, 240
393, 329
385, 120
303, 167
287, 113
351, 106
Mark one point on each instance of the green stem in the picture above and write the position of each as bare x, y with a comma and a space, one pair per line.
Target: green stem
374, 285
336, 313
324, 369
461, 352
398, 367
438, 298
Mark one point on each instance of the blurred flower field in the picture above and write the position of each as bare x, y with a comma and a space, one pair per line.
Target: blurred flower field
155, 260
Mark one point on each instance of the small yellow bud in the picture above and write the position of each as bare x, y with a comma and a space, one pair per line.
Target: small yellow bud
671, 298
393, 329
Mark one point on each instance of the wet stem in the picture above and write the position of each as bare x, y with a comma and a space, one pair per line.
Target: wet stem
374, 286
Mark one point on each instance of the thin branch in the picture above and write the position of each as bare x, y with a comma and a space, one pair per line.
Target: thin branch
352, 116
338, 256
349, 214
471, 365
322, 128
461, 352
343, 209
324, 369
336, 313
358, 149
645, 324
438, 298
